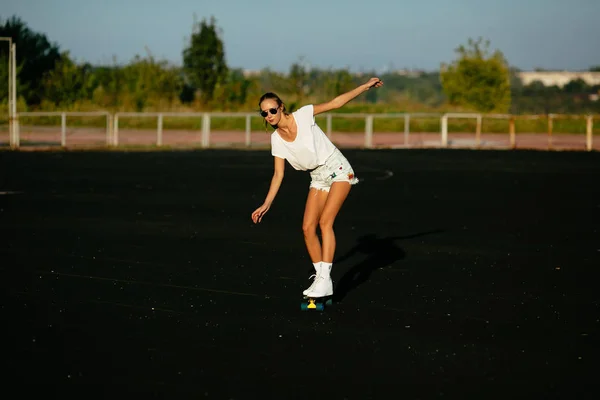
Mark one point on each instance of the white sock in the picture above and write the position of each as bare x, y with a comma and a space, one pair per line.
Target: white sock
317, 266
326, 269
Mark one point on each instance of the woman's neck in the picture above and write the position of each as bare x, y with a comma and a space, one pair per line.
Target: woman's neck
285, 123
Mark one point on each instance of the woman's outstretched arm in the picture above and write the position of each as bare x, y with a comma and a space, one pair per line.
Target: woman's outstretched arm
342, 99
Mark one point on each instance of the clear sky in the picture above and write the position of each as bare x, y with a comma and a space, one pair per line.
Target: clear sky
360, 35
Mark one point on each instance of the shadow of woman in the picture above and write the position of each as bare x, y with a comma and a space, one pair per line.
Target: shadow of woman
381, 253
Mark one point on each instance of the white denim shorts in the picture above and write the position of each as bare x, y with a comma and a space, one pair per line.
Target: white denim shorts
335, 169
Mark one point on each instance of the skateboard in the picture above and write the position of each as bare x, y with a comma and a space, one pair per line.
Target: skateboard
316, 303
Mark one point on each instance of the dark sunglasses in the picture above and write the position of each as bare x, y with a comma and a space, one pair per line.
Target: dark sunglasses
271, 110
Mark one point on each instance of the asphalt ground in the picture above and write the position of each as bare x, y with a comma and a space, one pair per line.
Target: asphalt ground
458, 274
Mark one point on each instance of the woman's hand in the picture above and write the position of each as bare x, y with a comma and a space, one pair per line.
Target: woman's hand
374, 83
260, 212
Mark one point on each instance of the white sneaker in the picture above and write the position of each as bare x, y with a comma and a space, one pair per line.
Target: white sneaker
311, 285
321, 287
317, 272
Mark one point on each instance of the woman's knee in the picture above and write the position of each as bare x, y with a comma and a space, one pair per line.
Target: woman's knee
309, 229
325, 224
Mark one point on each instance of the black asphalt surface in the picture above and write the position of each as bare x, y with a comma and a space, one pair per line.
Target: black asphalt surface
458, 274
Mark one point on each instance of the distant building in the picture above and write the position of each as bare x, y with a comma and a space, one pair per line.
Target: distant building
558, 78
411, 73
251, 72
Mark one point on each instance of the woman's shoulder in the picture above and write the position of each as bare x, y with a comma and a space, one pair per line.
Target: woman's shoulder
305, 111
305, 108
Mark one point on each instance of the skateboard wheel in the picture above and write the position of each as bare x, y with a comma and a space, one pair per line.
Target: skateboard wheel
304, 306
320, 307
329, 302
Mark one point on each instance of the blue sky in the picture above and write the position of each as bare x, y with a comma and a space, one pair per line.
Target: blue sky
359, 35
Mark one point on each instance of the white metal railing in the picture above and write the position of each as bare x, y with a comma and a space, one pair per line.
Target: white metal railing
113, 132
206, 123
589, 131
63, 122
206, 118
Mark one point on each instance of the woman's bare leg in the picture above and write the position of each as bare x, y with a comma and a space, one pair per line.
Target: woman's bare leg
337, 195
315, 203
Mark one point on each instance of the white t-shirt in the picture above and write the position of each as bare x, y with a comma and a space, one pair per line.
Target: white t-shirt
310, 148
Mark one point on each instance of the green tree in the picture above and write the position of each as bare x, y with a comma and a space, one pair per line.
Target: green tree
109, 86
151, 83
4, 84
477, 79
204, 59
234, 91
298, 80
338, 82
144, 83
35, 57
67, 82
576, 86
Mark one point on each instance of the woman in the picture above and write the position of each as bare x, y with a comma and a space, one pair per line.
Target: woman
300, 141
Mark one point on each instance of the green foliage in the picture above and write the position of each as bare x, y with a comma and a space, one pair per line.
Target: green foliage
21, 86
234, 92
143, 84
204, 59
574, 98
298, 81
67, 82
417, 87
477, 79
337, 82
35, 57
151, 84
4, 77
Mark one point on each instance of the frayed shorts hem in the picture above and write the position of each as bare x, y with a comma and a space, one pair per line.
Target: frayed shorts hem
328, 188
335, 169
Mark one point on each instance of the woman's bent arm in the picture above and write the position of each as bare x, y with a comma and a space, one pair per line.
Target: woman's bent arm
273, 189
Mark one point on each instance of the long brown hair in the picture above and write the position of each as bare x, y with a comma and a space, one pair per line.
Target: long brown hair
280, 103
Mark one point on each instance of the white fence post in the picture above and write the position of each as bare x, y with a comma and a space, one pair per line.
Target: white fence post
445, 131
16, 134
329, 126
63, 130
478, 131
589, 132
116, 131
511, 132
108, 128
205, 130
248, 130
550, 129
406, 128
159, 130
369, 131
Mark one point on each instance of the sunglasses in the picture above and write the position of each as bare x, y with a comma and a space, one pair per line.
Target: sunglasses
271, 110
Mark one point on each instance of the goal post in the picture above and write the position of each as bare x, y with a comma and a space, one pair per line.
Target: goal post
13, 123
9, 97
